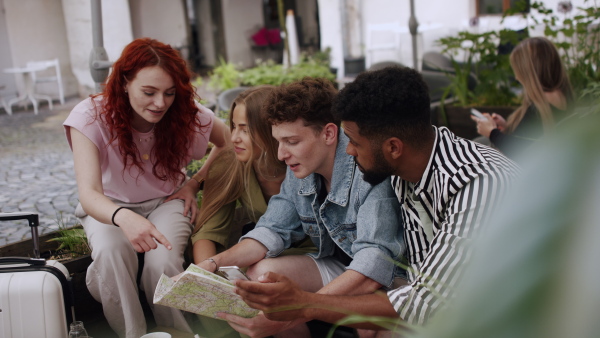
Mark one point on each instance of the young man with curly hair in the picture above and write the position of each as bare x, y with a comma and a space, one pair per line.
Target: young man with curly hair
447, 187
356, 226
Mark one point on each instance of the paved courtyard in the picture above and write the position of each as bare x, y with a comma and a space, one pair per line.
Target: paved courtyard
36, 170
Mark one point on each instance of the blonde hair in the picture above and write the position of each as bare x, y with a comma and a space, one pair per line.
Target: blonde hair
537, 65
229, 178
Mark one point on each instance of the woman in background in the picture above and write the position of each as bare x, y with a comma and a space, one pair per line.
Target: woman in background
547, 97
129, 145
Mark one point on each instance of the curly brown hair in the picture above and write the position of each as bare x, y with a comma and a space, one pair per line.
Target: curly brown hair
309, 99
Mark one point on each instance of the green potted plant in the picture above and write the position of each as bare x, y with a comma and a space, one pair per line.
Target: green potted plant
225, 76
480, 78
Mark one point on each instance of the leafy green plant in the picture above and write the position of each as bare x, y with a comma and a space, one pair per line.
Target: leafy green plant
309, 67
275, 74
322, 57
265, 73
224, 76
72, 240
198, 82
481, 63
591, 95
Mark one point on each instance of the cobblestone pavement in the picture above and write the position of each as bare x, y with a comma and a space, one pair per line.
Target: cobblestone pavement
36, 170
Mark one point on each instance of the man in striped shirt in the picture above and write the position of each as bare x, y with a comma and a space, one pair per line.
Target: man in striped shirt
447, 187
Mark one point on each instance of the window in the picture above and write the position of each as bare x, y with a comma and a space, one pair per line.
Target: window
491, 7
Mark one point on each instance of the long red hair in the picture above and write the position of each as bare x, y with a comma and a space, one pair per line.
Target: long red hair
175, 132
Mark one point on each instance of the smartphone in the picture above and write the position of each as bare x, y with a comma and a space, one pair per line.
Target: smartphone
477, 114
233, 272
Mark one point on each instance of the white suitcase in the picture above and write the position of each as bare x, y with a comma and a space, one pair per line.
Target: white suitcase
36, 297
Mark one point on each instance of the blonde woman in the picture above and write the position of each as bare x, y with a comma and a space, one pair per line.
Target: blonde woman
547, 96
248, 174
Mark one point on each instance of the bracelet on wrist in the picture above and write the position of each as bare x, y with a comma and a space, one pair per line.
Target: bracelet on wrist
200, 182
115, 214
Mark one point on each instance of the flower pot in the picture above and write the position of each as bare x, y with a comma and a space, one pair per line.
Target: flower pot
354, 66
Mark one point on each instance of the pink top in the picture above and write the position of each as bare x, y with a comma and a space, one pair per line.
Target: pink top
126, 185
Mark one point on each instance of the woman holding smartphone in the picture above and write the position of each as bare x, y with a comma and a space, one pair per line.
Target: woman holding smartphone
547, 97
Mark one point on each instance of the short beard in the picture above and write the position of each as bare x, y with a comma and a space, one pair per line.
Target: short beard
381, 170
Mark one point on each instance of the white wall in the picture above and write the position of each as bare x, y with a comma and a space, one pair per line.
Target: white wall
36, 31
205, 31
307, 10
116, 28
448, 15
330, 21
6, 80
162, 20
241, 19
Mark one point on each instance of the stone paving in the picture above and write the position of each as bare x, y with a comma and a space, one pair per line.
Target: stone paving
36, 170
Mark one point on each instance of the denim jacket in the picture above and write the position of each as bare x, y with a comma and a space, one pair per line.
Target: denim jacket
363, 220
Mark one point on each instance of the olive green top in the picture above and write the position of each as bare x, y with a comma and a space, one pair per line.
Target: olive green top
220, 226
224, 228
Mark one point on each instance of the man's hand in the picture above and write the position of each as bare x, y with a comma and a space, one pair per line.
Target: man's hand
140, 232
276, 295
256, 327
187, 193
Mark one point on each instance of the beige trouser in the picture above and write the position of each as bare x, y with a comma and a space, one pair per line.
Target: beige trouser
111, 278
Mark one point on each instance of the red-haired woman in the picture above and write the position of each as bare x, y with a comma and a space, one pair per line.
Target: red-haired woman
129, 145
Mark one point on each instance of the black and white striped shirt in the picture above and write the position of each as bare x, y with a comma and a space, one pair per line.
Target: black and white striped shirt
458, 190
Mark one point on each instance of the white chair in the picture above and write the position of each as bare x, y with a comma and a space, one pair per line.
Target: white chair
383, 38
44, 79
226, 98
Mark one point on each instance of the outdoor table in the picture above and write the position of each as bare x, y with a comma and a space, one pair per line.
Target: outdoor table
29, 87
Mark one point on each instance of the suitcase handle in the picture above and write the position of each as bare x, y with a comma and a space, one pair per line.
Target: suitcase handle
34, 222
13, 216
22, 260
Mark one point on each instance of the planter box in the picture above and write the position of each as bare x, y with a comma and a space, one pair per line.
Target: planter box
459, 118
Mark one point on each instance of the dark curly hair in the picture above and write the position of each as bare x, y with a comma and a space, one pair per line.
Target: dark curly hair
309, 99
390, 102
175, 132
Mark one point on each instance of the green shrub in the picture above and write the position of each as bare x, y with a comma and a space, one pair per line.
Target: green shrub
481, 60
72, 240
275, 74
224, 76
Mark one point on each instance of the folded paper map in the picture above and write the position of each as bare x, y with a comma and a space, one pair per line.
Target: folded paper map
201, 292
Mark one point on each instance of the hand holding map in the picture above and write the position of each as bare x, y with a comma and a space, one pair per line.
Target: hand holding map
201, 292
